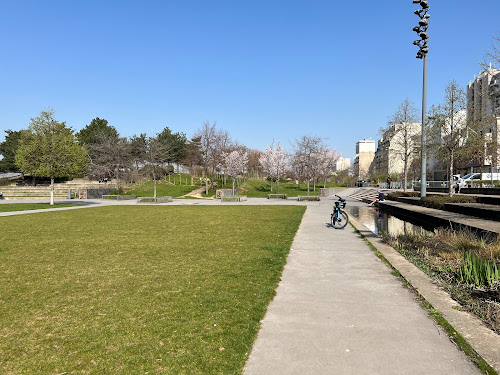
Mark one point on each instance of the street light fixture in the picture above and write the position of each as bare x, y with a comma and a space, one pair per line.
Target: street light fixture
421, 30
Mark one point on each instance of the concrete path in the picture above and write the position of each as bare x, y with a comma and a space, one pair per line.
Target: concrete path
338, 310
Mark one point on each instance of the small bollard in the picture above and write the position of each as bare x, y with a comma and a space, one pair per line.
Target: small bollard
69, 193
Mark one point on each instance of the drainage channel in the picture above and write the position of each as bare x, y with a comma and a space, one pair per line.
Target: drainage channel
380, 221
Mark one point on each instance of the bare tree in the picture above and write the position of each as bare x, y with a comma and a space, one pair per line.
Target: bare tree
113, 158
492, 55
156, 154
207, 146
404, 130
327, 160
254, 165
448, 128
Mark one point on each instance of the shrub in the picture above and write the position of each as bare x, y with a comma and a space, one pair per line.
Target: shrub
438, 201
398, 194
486, 183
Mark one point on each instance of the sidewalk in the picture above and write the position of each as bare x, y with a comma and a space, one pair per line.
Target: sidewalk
338, 310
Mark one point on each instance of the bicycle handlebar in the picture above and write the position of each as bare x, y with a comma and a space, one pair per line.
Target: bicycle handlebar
340, 198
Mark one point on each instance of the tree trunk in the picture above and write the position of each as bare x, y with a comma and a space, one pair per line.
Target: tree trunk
212, 179
271, 184
450, 177
154, 183
324, 185
232, 178
405, 173
278, 185
52, 191
307, 186
314, 185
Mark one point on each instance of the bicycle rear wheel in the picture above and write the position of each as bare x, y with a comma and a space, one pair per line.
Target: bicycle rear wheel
340, 221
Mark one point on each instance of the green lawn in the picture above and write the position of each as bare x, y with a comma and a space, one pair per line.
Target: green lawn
261, 188
145, 189
8, 207
136, 290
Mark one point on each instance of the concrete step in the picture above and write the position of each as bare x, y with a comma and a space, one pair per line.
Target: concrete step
484, 211
443, 218
34, 198
367, 195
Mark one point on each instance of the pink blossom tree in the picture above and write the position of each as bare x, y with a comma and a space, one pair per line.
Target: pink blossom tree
234, 163
265, 161
275, 163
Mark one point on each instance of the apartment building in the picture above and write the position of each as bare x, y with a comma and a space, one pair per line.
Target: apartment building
365, 152
483, 107
397, 140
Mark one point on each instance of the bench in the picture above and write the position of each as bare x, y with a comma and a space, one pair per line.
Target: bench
234, 198
276, 196
166, 199
308, 198
119, 197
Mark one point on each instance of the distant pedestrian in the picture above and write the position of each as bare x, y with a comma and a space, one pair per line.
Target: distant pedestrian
389, 180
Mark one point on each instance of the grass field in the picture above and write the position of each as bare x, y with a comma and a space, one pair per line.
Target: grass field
8, 207
145, 189
261, 188
136, 290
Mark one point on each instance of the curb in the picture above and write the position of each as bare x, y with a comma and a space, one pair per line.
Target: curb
482, 339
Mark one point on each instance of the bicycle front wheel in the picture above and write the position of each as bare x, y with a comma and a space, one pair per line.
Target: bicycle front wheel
340, 220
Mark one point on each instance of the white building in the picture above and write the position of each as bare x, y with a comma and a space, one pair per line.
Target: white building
365, 152
342, 164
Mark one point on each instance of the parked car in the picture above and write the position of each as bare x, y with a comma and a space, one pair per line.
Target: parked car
468, 179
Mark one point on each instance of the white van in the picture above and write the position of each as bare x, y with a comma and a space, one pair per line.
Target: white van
468, 179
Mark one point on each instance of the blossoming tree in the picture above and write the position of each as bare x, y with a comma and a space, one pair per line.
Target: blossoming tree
275, 163
234, 163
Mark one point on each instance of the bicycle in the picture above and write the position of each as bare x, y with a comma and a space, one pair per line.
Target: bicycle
339, 217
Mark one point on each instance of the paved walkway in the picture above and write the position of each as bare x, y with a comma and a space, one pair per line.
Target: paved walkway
338, 310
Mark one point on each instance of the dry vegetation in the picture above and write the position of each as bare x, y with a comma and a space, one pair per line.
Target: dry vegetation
441, 255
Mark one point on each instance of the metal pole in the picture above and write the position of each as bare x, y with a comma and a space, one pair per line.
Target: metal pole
423, 179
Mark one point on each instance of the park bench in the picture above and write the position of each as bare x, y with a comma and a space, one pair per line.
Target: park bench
165, 199
276, 196
234, 198
308, 198
119, 197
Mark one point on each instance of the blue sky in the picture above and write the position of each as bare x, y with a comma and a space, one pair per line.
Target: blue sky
260, 69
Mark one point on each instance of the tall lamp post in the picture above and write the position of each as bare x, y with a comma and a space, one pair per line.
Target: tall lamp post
421, 30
